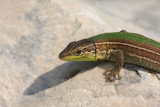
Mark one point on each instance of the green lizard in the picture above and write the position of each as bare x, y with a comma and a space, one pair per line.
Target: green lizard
119, 47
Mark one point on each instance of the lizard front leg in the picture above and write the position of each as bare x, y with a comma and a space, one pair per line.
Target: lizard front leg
118, 58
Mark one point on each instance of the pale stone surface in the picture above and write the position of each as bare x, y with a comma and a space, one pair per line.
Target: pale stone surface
32, 34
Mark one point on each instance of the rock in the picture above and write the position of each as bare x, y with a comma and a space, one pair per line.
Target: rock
33, 33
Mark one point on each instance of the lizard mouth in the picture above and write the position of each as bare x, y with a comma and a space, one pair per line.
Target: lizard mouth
61, 55
64, 56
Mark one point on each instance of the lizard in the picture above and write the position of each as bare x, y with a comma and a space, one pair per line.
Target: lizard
118, 47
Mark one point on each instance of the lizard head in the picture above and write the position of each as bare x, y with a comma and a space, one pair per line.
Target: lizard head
83, 50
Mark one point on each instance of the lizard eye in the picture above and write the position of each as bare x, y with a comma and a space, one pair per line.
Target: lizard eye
78, 52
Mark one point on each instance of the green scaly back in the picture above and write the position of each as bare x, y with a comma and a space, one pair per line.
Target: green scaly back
127, 36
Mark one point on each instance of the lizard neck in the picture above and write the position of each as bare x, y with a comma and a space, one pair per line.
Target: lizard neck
101, 51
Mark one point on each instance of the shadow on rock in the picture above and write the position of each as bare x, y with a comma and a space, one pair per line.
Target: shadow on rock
58, 75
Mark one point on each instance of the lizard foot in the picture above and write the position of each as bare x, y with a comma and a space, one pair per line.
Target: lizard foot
112, 75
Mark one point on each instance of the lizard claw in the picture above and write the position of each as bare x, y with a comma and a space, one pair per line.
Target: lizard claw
112, 75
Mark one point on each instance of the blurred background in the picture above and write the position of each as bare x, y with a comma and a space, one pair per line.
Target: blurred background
143, 13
